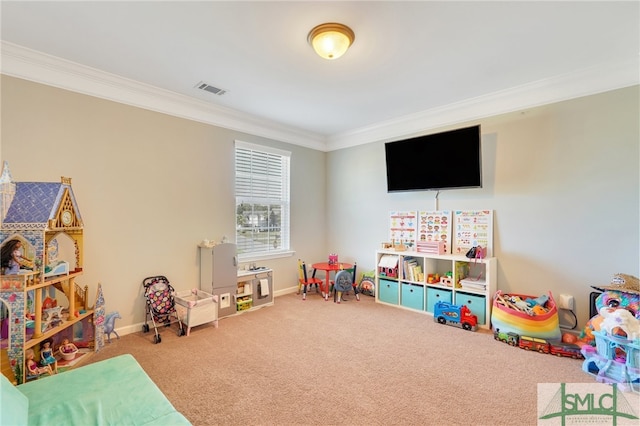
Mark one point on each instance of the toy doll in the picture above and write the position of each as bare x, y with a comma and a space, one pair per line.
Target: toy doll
46, 355
32, 366
11, 257
68, 347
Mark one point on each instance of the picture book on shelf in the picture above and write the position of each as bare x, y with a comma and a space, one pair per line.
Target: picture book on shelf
412, 270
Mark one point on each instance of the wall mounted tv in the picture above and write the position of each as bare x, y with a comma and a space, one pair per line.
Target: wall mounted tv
447, 160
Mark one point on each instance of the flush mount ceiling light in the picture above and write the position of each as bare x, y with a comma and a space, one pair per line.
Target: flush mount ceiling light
331, 40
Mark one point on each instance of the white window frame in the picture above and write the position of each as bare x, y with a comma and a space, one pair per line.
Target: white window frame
269, 187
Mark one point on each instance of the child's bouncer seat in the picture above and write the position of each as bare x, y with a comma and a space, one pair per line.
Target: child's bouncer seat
343, 283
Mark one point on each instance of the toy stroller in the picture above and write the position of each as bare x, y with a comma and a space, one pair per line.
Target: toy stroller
161, 305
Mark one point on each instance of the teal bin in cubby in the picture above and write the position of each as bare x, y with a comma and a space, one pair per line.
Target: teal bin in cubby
435, 295
412, 296
388, 291
476, 304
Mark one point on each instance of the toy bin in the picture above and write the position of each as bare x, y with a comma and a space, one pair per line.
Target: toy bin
244, 304
508, 320
435, 295
475, 303
412, 296
388, 291
196, 307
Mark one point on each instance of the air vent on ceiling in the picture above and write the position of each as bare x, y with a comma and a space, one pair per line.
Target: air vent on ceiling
209, 88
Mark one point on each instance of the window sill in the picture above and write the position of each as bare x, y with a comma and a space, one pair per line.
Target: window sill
255, 257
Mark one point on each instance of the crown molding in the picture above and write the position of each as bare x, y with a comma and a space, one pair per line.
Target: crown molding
585, 82
27, 64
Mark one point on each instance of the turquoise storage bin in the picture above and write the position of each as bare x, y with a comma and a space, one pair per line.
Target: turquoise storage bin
412, 296
476, 303
437, 295
389, 291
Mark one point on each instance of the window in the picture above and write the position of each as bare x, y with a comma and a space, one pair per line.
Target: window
262, 200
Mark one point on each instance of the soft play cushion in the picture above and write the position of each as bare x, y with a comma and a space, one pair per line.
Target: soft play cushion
14, 405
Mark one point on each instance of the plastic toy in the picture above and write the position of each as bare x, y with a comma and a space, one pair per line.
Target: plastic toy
455, 315
109, 324
538, 301
615, 359
59, 267
620, 322
544, 346
68, 350
32, 367
46, 355
12, 259
67, 347
520, 304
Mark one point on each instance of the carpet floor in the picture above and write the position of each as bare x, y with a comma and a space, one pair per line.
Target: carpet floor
356, 363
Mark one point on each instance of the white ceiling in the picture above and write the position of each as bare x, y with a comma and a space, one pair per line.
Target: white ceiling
414, 66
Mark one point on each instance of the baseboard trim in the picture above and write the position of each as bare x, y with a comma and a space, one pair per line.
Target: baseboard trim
134, 328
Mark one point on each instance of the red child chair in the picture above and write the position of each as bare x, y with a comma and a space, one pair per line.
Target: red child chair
304, 281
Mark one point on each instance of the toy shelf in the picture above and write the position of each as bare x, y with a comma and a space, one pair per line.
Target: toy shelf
417, 280
31, 282
49, 333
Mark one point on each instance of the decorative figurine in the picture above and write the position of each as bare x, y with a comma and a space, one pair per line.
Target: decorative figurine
46, 355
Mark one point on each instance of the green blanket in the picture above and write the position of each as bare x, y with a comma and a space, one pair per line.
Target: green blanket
116, 391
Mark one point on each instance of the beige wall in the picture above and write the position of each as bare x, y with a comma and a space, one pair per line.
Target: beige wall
150, 187
562, 180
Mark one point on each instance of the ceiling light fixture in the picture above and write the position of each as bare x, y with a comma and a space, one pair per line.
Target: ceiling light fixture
331, 40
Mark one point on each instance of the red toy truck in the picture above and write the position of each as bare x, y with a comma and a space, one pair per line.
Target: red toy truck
456, 315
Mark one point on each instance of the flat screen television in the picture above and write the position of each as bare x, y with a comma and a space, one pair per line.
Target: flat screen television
447, 160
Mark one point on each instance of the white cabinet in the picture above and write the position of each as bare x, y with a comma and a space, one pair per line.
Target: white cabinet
416, 281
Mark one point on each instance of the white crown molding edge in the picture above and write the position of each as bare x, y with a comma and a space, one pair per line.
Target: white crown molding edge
585, 82
28, 64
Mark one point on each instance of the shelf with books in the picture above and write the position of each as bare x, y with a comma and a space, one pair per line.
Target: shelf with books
416, 281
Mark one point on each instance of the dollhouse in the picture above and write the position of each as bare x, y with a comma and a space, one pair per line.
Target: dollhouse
614, 359
41, 300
